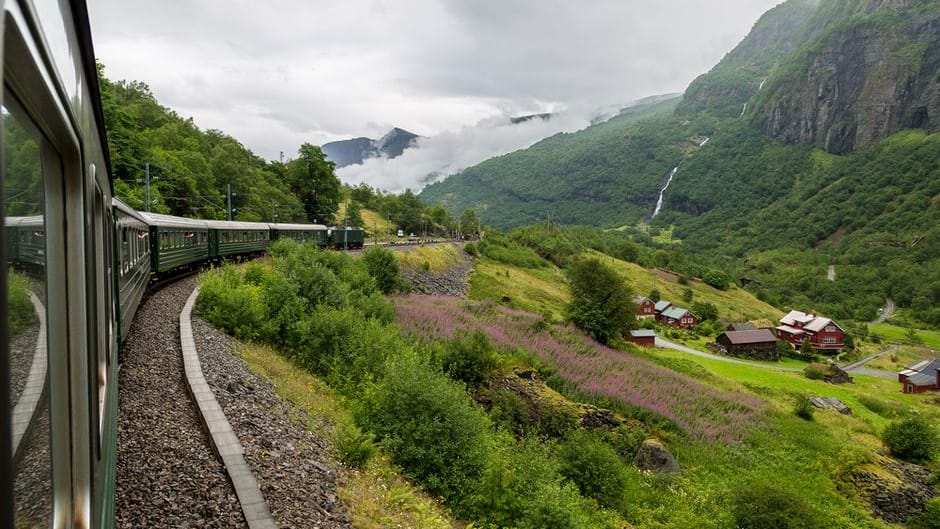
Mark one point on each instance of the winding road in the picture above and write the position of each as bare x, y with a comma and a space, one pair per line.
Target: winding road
886, 312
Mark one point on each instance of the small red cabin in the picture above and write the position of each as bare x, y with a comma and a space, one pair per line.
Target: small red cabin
678, 317
644, 337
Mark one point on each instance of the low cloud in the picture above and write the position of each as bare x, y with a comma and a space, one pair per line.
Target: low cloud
436, 157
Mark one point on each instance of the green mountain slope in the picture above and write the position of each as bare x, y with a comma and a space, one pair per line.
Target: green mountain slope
833, 161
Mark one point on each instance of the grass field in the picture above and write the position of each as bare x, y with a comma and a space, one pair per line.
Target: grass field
439, 257
734, 304
895, 334
539, 290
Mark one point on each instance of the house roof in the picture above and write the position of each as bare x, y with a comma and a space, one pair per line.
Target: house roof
643, 333
675, 313
750, 337
792, 317
790, 330
639, 300
923, 365
662, 305
741, 326
922, 379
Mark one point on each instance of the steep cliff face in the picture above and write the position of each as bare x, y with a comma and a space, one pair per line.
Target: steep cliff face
867, 78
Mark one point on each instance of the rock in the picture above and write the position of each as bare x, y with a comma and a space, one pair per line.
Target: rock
896, 491
655, 457
829, 402
837, 376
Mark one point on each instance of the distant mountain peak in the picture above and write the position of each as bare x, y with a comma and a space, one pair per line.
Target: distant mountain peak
357, 150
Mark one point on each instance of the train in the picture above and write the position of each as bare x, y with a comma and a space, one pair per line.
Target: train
78, 262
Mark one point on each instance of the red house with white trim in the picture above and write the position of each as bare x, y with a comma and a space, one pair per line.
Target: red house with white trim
823, 334
645, 308
678, 317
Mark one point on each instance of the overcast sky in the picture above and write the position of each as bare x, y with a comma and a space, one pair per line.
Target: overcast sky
278, 73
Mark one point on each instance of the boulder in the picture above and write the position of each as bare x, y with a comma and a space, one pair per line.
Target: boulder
655, 457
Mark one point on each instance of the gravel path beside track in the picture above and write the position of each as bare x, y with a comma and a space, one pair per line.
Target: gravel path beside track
295, 469
167, 473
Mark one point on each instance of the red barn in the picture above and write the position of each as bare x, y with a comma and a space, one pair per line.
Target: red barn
823, 334
644, 337
645, 308
920, 377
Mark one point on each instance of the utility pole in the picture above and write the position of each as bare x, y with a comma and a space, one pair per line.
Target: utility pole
228, 196
147, 200
273, 212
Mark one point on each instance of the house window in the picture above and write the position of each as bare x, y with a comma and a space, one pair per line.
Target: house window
830, 328
829, 339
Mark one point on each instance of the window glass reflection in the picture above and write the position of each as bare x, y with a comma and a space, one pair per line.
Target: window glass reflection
26, 319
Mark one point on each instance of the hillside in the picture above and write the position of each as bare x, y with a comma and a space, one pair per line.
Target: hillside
821, 149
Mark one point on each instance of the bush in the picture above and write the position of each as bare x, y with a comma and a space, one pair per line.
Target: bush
705, 311
885, 409
717, 279
355, 447
803, 408
470, 358
816, 371
430, 426
383, 266
930, 518
601, 302
19, 306
912, 439
762, 506
594, 468
229, 303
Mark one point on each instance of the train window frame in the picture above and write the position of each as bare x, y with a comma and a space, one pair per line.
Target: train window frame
30, 79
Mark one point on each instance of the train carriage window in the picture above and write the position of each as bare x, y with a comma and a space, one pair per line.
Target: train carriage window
25, 313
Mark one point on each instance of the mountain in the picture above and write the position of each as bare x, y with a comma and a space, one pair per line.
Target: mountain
813, 142
357, 150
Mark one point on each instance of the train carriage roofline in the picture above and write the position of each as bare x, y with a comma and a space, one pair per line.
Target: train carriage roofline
236, 225
119, 205
296, 227
169, 221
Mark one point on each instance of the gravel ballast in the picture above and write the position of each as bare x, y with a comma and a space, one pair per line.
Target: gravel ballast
167, 473
294, 467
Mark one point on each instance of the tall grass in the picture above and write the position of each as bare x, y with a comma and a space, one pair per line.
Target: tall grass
594, 370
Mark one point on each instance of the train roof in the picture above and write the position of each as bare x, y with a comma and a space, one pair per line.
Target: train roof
235, 225
31, 221
127, 210
169, 221
296, 227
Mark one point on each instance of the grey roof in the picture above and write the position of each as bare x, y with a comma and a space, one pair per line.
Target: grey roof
922, 373
662, 305
643, 333
639, 300
236, 225
296, 227
156, 219
741, 326
675, 313
750, 337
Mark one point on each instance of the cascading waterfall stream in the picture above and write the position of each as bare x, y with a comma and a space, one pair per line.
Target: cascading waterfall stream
662, 192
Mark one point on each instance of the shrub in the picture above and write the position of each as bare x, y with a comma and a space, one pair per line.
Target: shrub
883, 408
930, 518
228, 302
705, 311
762, 506
429, 425
471, 249
717, 279
19, 307
355, 447
816, 371
383, 266
912, 439
803, 408
510, 412
594, 468
601, 302
470, 358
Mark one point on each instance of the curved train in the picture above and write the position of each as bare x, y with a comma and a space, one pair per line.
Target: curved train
80, 261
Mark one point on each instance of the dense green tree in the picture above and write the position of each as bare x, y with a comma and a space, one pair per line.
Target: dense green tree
311, 178
469, 223
353, 215
601, 302
912, 439
705, 311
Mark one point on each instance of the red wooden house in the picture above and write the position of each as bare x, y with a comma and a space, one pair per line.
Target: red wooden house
678, 317
920, 377
645, 308
822, 334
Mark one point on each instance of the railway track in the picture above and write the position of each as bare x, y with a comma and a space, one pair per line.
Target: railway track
180, 462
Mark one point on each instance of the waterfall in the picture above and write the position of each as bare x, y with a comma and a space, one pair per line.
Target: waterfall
764, 80
704, 142
743, 110
662, 192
